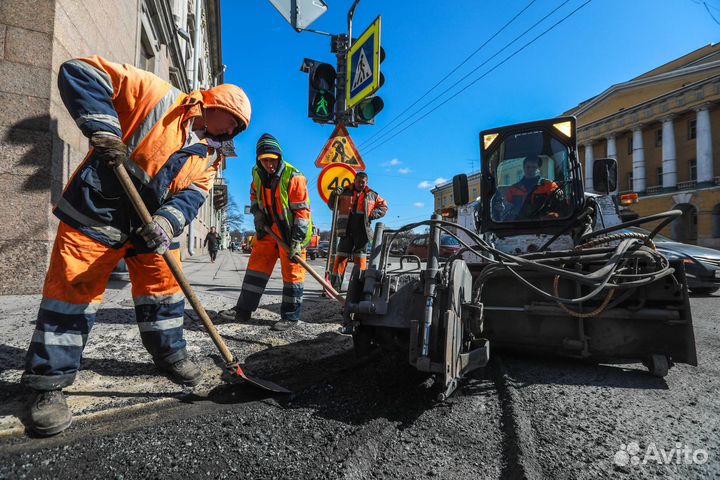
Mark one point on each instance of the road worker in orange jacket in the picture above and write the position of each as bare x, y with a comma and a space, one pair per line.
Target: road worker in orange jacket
279, 200
168, 141
532, 193
358, 205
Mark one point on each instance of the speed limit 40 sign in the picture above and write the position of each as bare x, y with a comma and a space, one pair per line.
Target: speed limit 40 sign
333, 176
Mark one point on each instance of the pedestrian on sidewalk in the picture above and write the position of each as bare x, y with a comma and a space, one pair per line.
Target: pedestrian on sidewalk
212, 241
168, 141
279, 200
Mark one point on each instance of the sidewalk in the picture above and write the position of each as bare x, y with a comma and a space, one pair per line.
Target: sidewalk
117, 373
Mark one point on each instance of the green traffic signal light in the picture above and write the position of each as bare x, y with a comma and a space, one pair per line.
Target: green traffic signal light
323, 104
366, 110
321, 90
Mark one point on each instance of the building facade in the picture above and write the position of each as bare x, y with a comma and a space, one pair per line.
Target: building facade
663, 128
40, 145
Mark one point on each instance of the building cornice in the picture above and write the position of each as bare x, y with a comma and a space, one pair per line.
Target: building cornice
640, 82
674, 102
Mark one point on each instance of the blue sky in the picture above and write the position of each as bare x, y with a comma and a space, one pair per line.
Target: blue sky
603, 43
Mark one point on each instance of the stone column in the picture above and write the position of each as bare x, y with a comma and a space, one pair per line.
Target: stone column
669, 159
611, 147
638, 160
703, 145
589, 159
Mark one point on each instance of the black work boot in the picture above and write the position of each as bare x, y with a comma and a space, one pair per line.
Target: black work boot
235, 315
283, 325
49, 413
183, 372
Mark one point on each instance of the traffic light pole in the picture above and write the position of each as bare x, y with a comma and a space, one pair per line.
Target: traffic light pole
340, 47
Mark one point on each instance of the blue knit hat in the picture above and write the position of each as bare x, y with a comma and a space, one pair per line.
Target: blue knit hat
267, 144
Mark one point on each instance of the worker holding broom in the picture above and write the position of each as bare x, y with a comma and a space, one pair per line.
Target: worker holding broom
168, 142
279, 201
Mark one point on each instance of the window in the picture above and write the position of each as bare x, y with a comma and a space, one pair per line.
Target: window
692, 167
147, 54
658, 137
630, 144
659, 176
692, 129
716, 221
630, 181
449, 241
533, 176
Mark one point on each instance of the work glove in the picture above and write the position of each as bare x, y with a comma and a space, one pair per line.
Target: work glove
259, 219
339, 190
109, 148
296, 249
157, 234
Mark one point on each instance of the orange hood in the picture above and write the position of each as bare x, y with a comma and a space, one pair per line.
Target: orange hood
230, 98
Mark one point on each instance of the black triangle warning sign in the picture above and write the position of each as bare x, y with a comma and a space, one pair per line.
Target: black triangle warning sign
340, 148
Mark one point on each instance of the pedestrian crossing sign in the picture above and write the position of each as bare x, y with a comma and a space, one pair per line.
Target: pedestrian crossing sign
363, 65
340, 148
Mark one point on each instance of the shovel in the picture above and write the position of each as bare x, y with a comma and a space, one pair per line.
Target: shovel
233, 370
328, 288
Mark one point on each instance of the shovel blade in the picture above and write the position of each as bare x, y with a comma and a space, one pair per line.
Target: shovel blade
234, 372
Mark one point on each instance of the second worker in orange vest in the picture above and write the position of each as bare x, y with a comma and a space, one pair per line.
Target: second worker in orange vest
358, 205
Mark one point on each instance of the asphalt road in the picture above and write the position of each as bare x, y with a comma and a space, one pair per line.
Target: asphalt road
373, 418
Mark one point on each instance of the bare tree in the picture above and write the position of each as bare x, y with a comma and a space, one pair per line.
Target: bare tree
234, 215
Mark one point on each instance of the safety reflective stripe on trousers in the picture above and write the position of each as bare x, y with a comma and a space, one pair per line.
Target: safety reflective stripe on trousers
161, 325
159, 299
65, 308
59, 339
253, 288
148, 124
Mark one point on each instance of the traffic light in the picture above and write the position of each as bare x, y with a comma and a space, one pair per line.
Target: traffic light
321, 91
366, 109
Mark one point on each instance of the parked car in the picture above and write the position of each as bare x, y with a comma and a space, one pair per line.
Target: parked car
419, 246
702, 264
322, 250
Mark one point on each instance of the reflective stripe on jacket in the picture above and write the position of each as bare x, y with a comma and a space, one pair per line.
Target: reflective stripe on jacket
152, 118
286, 202
373, 207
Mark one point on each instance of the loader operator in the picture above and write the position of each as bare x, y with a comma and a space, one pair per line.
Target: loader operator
533, 195
167, 140
279, 200
357, 206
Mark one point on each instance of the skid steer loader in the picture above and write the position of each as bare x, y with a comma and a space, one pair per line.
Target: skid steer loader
546, 269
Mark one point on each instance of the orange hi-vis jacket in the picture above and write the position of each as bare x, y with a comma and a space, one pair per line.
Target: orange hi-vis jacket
367, 202
154, 120
284, 201
516, 193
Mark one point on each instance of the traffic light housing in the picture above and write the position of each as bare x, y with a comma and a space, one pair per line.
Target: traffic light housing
321, 91
366, 109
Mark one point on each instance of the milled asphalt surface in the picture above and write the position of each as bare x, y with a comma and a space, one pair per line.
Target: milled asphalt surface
352, 418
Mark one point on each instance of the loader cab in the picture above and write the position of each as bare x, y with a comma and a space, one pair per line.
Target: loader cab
531, 178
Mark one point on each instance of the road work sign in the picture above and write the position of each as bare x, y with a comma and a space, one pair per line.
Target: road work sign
333, 176
340, 148
363, 65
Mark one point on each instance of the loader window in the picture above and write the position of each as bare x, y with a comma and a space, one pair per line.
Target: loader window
531, 171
